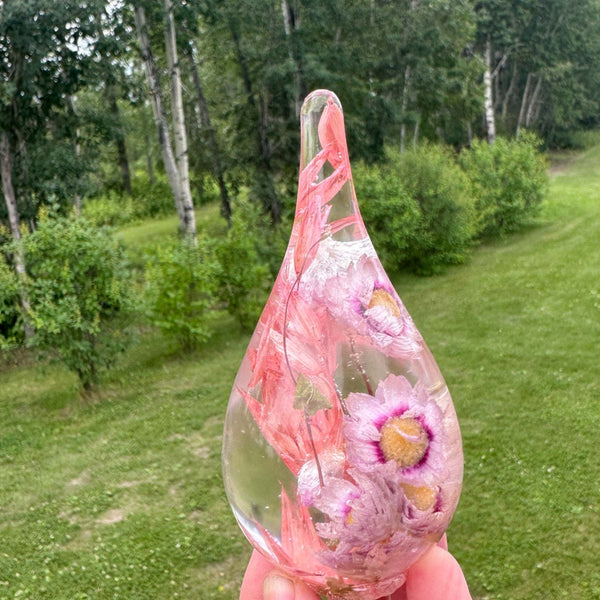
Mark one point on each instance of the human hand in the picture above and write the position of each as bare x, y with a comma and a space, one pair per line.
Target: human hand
436, 576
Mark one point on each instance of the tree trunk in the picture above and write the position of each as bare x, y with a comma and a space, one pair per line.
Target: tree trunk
404, 107
289, 24
149, 165
160, 119
212, 138
532, 102
179, 133
272, 202
489, 101
13, 219
73, 110
119, 139
523, 106
415, 140
509, 91
117, 125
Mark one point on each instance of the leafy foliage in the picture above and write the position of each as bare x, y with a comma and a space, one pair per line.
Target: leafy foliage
147, 200
244, 276
391, 214
78, 291
180, 292
509, 180
10, 316
420, 209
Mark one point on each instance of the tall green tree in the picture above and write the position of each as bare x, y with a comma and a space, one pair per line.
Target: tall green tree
42, 64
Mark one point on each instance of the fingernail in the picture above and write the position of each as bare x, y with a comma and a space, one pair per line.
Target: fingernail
277, 587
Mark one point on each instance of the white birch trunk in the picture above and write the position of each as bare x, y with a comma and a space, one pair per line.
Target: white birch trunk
13, 219
532, 102
523, 105
158, 111
179, 134
489, 101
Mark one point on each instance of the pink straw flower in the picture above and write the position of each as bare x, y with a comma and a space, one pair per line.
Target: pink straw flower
361, 296
364, 516
401, 428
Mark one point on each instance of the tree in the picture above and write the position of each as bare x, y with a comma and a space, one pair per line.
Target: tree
41, 66
176, 165
540, 52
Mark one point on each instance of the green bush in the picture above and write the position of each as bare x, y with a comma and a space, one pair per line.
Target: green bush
444, 197
509, 179
418, 209
11, 324
110, 209
148, 200
77, 288
180, 290
244, 276
151, 198
390, 213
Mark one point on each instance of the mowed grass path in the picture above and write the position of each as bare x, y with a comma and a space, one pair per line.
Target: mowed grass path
120, 495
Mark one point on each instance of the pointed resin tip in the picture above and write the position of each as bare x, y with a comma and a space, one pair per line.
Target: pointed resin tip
342, 456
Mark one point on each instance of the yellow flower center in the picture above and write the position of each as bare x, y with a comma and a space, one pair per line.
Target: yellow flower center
403, 440
421, 496
382, 298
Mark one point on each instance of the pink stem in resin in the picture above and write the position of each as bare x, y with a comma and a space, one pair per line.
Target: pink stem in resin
333, 151
312, 443
360, 368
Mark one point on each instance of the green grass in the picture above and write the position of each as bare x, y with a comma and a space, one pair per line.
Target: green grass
119, 495
516, 332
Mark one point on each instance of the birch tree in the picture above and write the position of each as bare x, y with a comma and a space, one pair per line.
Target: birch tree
489, 101
181, 196
179, 133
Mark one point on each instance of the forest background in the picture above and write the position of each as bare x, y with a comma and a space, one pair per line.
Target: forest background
148, 156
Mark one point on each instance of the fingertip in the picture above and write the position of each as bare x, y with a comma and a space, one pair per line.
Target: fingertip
278, 587
437, 576
258, 568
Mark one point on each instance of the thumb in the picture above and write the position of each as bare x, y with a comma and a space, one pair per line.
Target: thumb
278, 587
436, 576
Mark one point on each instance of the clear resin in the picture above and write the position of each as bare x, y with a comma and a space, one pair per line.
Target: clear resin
342, 456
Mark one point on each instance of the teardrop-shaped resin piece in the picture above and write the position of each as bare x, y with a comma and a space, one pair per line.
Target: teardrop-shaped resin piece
342, 455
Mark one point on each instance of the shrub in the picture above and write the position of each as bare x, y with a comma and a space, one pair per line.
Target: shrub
390, 213
418, 208
77, 288
151, 198
148, 200
443, 194
244, 276
110, 209
11, 325
180, 290
509, 179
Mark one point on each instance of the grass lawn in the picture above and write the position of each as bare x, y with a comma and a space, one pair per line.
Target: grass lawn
120, 495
